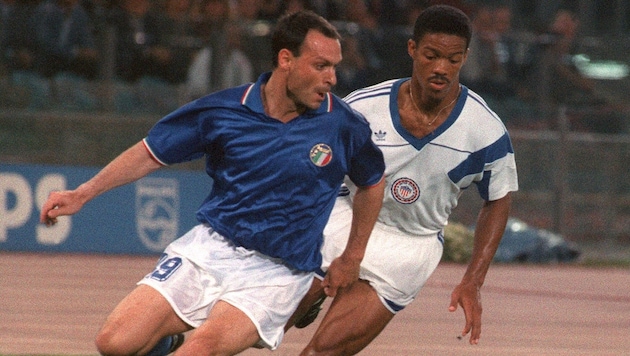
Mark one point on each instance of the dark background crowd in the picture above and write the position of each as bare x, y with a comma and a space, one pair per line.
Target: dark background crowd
157, 54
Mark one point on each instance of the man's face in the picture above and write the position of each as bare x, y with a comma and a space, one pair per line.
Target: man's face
312, 74
437, 60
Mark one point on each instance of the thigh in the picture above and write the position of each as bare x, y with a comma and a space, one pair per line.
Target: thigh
139, 321
315, 292
355, 317
227, 331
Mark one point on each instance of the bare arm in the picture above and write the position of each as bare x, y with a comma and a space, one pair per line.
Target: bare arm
129, 166
490, 227
344, 270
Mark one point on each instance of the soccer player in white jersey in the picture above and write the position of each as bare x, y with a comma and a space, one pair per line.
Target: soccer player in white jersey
437, 138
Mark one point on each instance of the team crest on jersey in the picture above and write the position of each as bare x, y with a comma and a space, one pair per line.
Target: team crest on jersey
405, 190
321, 154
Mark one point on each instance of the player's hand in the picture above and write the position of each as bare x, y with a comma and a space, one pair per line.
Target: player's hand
341, 273
469, 297
59, 203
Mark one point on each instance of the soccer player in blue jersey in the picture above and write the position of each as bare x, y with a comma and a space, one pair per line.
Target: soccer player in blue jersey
277, 151
437, 138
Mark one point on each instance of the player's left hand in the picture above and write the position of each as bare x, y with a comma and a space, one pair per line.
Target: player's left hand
341, 273
469, 297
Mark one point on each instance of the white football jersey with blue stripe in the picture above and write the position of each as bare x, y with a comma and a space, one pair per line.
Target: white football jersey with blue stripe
426, 176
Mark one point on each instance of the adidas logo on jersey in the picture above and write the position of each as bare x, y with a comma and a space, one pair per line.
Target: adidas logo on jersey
380, 135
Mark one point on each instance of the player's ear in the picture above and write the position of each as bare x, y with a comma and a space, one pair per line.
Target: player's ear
411, 47
285, 58
465, 56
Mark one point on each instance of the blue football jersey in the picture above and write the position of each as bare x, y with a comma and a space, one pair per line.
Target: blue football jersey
274, 183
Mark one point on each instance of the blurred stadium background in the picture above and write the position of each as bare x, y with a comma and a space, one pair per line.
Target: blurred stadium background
574, 174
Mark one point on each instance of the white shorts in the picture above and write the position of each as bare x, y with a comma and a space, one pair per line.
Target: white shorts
202, 267
396, 264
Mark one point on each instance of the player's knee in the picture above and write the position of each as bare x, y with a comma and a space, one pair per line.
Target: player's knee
110, 343
106, 345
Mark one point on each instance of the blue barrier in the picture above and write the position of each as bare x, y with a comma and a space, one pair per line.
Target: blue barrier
138, 218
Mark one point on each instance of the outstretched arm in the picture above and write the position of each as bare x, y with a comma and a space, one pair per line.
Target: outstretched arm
129, 166
490, 227
344, 270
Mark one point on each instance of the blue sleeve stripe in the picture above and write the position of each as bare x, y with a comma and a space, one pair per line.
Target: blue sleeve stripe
476, 161
483, 186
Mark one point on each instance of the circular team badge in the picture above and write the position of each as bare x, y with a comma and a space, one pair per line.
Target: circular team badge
405, 190
321, 154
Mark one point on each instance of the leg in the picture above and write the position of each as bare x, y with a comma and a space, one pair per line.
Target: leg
227, 331
138, 322
312, 296
354, 319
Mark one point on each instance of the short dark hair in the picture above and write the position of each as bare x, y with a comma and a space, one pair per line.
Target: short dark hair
292, 28
442, 19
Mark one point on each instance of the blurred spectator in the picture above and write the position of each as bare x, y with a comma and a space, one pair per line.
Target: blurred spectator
392, 36
353, 72
128, 19
146, 66
254, 34
247, 10
174, 41
392, 12
482, 67
6, 8
270, 10
498, 65
206, 69
65, 40
362, 35
565, 85
212, 18
291, 6
98, 11
332, 10
153, 41
238, 68
23, 86
18, 42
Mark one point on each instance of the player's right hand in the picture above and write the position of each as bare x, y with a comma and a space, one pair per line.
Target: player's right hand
57, 204
468, 296
341, 273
